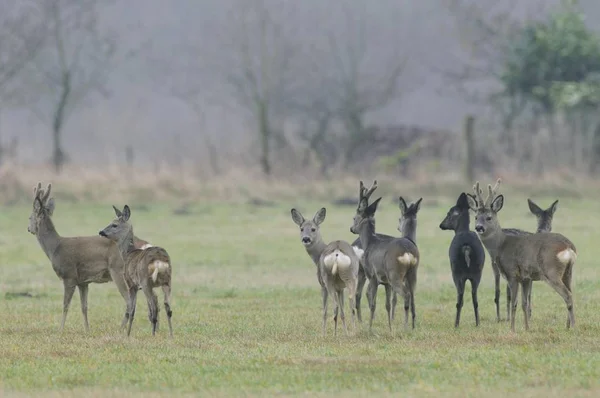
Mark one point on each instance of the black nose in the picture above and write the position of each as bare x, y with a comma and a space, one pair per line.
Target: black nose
102, 233
479, 228
306, 239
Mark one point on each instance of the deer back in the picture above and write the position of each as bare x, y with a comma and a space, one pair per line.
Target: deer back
139, 265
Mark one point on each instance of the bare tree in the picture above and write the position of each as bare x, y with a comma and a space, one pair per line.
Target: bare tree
259, 70
76, 61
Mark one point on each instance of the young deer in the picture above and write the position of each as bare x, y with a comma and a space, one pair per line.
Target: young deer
544, 224
310, 236
145, 268
466, 254
392, 263
77, 261
522, 259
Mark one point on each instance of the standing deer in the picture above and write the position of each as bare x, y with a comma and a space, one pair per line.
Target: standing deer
310, 236
77, 261
466, 254
145, 268
392, 263
544, 224
522, 259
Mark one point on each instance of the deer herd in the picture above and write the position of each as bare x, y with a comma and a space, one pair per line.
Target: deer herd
519, 256
133, 264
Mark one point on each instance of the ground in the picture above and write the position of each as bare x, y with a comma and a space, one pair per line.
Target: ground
247, 316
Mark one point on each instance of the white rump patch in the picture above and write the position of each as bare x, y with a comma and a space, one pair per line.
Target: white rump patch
147, 245
335, 260
358, 251
407, 259
156, 267
566, 256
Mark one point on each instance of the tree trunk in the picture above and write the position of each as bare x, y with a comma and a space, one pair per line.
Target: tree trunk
58, 155
265, 137
469, 148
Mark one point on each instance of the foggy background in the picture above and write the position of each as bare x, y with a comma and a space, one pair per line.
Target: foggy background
175, 83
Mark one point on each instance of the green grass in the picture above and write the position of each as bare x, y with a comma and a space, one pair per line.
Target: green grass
247, 314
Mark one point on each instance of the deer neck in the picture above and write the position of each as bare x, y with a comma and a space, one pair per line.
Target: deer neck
463, 223
409, 230
495, 239
126, 244
544, 226
366, 232
315, 250
47, 236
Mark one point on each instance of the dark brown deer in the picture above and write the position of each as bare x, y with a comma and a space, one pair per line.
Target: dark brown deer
145, 269
77, 261
522, 259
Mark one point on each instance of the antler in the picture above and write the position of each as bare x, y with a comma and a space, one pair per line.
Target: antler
47, 194
370, 191
478, 195
492, 192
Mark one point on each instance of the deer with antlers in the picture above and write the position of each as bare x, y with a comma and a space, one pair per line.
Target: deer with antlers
77, 261
392, 263
544, 224
522, 259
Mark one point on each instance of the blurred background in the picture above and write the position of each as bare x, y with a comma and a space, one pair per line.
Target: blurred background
222, 98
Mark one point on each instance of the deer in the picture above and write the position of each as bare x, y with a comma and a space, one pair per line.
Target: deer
310, 236
544, 224
522, 259
466, 253
77, 261
392, 263
145, 269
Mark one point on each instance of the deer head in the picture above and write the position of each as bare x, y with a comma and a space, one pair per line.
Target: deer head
309, 229
43, 207
457, 211
486, 210
364, 211
408, 215
544, 217
119, 228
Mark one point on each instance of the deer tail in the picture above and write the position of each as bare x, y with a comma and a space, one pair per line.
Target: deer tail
467, 253
157, 266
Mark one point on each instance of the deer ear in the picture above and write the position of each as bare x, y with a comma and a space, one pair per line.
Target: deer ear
297, 217
117, 212
462, 201
472, 202
126, 213
402, 205
553, 207
498, 203
535, 209
320, 216
362, 205
417, 205
370, 211
50, 206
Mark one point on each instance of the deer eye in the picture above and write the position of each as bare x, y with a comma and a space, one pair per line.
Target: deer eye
313, 229
488, 218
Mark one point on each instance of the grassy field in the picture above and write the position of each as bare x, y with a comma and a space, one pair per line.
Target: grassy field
247, 313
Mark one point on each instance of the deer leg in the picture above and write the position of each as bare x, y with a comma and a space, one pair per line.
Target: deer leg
340, 295
362, 279
67, 296
388, 304
460, 290
152, 306
474, 287
167, 293
566, 279
497, 289
508, 305
529, 300
564, 292
133, 302
411, 278
119, 280
526, 285
372, 299
514, 291
394, 303
324, 295
351, 297
83, 296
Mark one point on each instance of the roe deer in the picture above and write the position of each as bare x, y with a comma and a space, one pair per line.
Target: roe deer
338, 266
77, 261
544, 224
466, 254
362, 276
310, 236
144, 268
392, 263
522, 259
